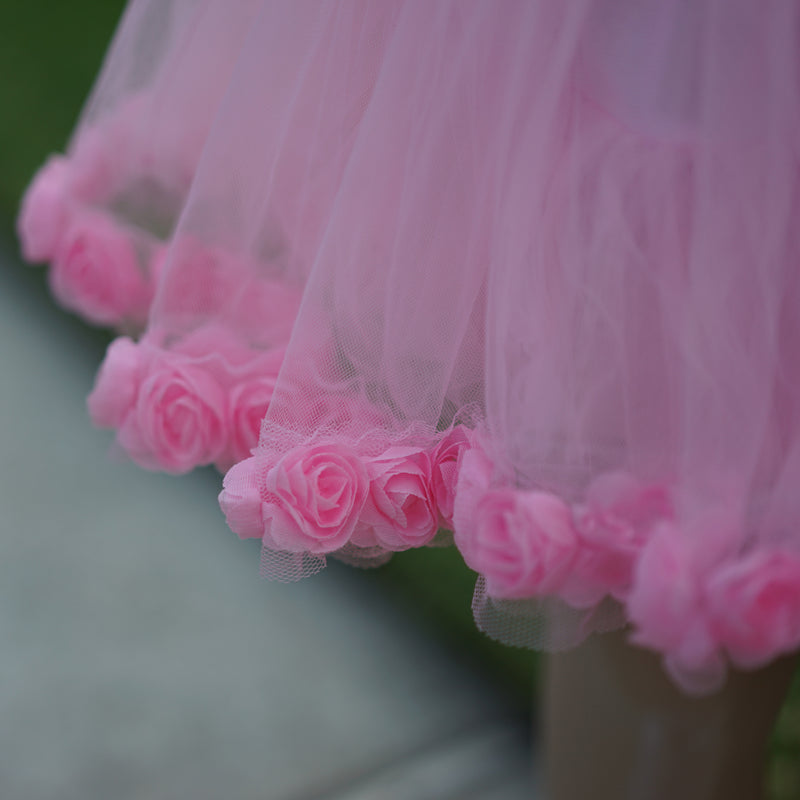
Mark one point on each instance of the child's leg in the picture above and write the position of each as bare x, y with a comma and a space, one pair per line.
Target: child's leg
616, 728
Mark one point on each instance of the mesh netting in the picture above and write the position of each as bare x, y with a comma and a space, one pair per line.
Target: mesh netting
525, 273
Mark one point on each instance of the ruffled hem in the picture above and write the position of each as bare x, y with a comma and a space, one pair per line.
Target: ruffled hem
411, 271
551, 571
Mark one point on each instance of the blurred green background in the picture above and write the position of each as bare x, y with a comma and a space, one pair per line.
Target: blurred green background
50, 53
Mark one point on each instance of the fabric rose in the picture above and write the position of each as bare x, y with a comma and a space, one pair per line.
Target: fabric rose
399, 513
444, 472
755, 607
613, 524
117, 384
96, 273
241, 501
249, 374
523, 543
45, 212
315, 496
178, 422
668, 608
473, 480
247, 406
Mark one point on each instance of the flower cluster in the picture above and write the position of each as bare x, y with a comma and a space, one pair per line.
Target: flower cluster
689, 590
743, 605
175, 410
100, 273
103, 267
100, 267
46, 211
321, 497
614, 523
530, 543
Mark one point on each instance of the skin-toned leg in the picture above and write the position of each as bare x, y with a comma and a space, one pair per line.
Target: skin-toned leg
617, 728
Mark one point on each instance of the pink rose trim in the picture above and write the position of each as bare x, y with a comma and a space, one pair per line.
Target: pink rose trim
755, 607
96, 273
474, 478
399, 511
117, 384
315, 497
613, 525
667, 605
248, 404
444, 472
186, 406
178, 422
241, 502
523, 543
45, 211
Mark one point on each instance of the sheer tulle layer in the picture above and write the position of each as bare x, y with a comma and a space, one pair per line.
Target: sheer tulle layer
526, 274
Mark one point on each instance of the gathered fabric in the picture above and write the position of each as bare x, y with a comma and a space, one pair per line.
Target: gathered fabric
519, 277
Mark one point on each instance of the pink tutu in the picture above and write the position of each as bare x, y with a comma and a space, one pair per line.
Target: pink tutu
520, 276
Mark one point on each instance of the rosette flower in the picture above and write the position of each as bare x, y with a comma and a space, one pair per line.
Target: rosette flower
400, 512
179, 419
248, 403
613, 525
241, 501
314, 497
117, 384
444, 472
523, 543
755, 607
45, 212
96, 273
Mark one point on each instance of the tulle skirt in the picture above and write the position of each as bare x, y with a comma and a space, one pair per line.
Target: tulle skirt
519, 276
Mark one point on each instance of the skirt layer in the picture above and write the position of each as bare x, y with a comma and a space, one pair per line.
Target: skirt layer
521, 277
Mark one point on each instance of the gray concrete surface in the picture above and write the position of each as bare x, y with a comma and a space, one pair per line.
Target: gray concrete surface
141, 657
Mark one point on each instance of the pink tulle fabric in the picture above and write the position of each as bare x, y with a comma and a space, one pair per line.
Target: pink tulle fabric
520, 275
